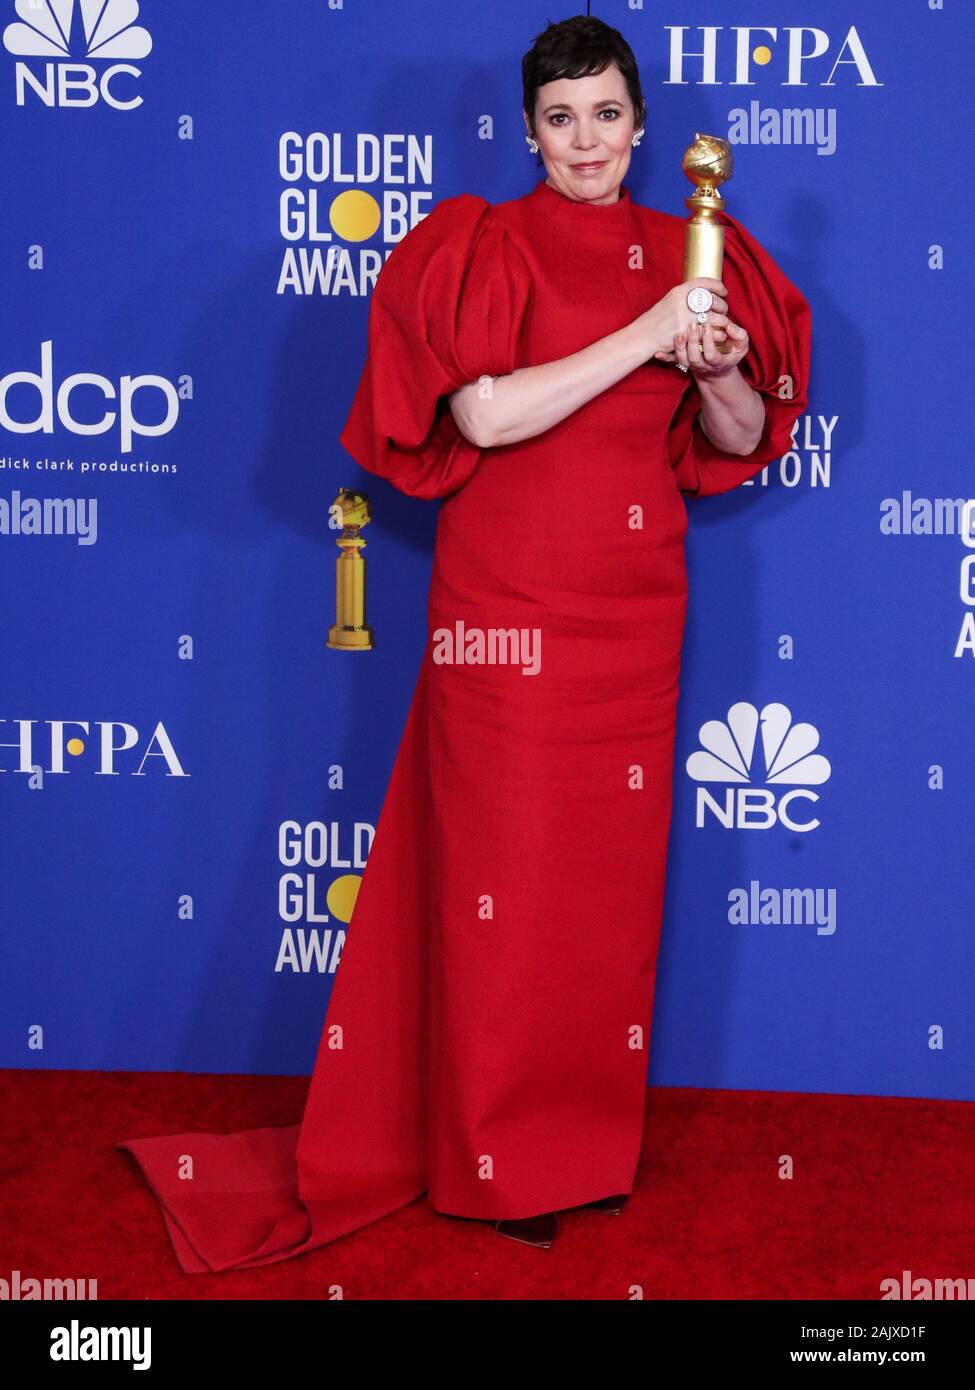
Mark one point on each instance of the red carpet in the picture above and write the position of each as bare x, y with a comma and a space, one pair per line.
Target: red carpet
880, 1185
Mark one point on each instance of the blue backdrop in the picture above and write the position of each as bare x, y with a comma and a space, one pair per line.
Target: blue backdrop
189, 775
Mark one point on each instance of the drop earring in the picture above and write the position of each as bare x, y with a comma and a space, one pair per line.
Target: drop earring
636, 139
532, 144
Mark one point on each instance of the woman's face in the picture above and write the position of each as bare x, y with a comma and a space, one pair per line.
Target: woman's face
586, 121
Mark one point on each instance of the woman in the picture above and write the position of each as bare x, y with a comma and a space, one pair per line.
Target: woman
536, 365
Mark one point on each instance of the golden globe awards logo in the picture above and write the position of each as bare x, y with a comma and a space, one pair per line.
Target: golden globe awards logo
77, 54
341, 193
322, 866
966, 637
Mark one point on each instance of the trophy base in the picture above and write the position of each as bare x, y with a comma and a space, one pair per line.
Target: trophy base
351, 638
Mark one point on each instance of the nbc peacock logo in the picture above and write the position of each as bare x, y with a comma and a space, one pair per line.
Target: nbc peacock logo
727, 754
80, 51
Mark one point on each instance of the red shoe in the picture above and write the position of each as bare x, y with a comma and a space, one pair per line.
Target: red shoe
531, 1230
612, 1206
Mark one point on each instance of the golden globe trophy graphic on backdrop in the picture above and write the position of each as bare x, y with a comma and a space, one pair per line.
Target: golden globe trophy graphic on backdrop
708, 163
350, 632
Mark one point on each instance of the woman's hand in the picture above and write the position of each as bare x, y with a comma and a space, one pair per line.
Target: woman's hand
670, 316
696, 350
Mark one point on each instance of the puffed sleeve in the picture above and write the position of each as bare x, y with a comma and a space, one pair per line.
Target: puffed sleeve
447, 308
778, 320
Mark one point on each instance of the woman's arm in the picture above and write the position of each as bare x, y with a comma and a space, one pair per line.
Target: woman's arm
732, 412
506, 409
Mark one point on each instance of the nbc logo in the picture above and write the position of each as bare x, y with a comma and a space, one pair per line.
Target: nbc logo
726, 755
56, 32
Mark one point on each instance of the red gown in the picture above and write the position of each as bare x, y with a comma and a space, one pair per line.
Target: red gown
494, 997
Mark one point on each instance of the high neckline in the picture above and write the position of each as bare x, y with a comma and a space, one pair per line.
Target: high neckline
545, 193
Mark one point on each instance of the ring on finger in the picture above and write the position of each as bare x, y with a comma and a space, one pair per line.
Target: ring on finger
699, 299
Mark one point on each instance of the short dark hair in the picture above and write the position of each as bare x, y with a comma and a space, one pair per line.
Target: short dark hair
579, 47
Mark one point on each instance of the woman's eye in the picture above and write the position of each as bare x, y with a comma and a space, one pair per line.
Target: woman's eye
559, 117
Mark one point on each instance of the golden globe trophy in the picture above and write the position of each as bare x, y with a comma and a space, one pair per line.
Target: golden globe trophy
350, 631
708, 164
